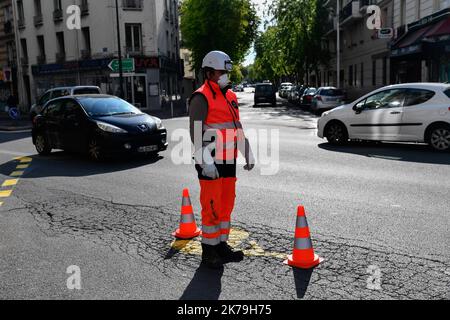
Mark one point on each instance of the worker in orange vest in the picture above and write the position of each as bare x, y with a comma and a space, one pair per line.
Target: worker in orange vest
217, 135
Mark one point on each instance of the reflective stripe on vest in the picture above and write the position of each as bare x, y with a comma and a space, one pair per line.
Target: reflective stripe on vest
222, 120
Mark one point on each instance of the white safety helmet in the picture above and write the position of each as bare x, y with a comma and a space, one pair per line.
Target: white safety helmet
217, 60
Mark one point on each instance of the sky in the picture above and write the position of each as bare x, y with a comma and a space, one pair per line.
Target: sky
260, 8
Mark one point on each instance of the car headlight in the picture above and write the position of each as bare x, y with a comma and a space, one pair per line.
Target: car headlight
110, 128
158, 122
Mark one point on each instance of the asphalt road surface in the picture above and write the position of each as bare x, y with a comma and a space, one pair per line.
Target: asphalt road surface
379, 215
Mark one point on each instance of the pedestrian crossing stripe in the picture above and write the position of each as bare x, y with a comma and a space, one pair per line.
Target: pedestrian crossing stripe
22, 166
17, 173
5, 193
11, 182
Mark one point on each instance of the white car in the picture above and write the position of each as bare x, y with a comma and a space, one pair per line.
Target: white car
411, 112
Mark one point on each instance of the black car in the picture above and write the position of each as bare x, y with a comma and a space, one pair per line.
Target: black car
99, 125
265, 93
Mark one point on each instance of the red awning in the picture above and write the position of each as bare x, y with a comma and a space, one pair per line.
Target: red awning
413, 37
439, 29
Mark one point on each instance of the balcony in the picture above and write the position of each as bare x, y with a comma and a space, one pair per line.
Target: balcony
134, 51
84, 7
350, 13
60, 57
58, 15
85, 54
42, 59
133, 5
38, 20
21, 23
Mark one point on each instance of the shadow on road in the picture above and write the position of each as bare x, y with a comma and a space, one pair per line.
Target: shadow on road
302, 279
12, 136
67, 164
407, 152
205, 285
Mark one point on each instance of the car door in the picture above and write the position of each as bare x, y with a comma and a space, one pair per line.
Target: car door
380, 117
74, 126
53, 118
418, 108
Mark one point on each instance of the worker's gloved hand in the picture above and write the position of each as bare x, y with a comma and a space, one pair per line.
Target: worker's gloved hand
249, 159
210, 171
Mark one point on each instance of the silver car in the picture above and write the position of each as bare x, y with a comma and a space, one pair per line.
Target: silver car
327, 98
61, 92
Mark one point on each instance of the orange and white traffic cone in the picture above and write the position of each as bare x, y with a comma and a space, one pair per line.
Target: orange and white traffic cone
303, 255
188, 228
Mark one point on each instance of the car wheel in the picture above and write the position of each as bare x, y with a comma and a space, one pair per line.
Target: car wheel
439, 138
42, 145
336, 133
94, 150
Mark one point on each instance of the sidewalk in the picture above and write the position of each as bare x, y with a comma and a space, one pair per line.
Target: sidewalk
7, 124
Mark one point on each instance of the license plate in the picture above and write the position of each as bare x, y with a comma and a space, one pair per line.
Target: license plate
148, 149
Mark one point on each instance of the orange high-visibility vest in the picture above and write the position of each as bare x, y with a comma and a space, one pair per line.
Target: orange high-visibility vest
222, 122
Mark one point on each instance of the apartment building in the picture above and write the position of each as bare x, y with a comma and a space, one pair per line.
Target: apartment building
8, 58
414, 48
421, 51
52, 54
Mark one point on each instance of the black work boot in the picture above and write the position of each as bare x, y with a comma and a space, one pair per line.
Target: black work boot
227, 253
210, 257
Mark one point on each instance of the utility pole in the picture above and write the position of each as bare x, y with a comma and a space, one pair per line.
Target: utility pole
122, 95
338, 45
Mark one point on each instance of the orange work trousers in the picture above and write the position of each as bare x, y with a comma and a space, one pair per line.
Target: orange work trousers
217, 198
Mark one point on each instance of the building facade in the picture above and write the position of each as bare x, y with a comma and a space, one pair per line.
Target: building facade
54, 53
8, 57
370, 60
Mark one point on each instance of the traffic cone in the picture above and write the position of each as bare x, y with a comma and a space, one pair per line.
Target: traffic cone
303, 255
188, 228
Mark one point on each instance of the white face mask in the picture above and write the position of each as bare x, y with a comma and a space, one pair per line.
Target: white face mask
223, 81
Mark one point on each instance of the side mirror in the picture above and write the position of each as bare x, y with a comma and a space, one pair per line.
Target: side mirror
358, 109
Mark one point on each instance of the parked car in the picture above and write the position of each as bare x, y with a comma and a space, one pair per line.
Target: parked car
99, 125
265, 93
61, 92
295, 94
327, 98
411, 112
307, 96
238, 88
282, 89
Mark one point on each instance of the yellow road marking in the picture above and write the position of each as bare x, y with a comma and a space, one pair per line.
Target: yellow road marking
237, 237
11, 182
24, 159
22, 166
5, 193
17, 173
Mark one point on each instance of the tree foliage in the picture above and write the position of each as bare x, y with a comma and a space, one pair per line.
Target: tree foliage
225, 25
293, 44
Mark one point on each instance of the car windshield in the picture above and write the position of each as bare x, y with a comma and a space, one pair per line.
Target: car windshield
266, 88
81, 91
332, 92
103, 107
311, 90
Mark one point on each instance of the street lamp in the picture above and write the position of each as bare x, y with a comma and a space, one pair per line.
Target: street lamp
120, 52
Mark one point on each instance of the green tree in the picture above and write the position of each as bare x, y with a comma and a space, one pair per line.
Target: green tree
226, 25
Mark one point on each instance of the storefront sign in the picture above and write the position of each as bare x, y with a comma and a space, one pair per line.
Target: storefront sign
406, 50
71, 66
147, 63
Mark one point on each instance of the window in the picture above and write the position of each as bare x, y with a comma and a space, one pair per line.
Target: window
86, 91
73, 111
331, 92
54, 110
57, 5
350, 75
133, 37
374, 72
384, 71
43, 100
362, 74
356, 75
37, 7
41, 45
402, 12
86, 38
447, 92
60, 93
20, 12
61, 45
386, 99
418, 96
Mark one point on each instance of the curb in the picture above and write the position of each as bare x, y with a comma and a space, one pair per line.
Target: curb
12, 129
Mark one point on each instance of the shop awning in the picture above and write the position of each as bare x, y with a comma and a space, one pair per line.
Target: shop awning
439, 29
412, 37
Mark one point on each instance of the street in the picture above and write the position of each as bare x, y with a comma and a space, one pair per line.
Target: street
378, 215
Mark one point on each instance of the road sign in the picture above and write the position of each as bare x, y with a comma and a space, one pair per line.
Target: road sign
127, 65
385, 33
